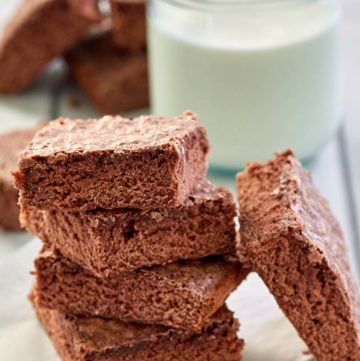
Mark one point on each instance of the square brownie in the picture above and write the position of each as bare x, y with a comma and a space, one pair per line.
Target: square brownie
82, 339
292, 240
12, 144
129, 24
146, 162
107, 242
180, 295
115, 81
39, 31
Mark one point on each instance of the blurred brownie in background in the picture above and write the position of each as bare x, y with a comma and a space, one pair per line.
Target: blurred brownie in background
40, 31
114, 80
129, 24
11, 146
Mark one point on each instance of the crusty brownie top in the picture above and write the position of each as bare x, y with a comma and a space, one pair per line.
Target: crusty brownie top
205, 190
98, 334
12, 144
113, 134
289, 205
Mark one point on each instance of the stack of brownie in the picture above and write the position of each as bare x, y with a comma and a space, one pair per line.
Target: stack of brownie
137, 258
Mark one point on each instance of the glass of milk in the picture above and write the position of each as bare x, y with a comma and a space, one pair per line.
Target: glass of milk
263, 75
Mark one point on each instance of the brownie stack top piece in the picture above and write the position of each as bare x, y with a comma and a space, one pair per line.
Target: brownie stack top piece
148, 162
290, 237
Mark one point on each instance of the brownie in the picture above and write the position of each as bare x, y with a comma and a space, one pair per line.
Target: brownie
292, 240
181, 295
40, 31
96, 339
147, 162
111, 241
115, 81
11, 146
129, 22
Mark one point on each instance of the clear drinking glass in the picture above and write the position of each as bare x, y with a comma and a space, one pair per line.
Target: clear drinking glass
263, 75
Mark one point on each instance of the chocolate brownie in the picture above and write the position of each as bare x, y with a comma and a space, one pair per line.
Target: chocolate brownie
129, 22
114, 80
96, 339
12, 145
147, 162
290, 237
181, 295
40, 31
111, 241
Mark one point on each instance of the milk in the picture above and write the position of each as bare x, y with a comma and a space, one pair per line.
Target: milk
262, 79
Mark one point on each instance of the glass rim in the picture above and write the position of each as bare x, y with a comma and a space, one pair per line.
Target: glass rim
223, 4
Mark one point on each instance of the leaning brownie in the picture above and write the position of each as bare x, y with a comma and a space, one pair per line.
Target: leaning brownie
96, 339
40, 31
147, 162
129, 22
290, 237
12, 145
111, 241
114, 80
181, 295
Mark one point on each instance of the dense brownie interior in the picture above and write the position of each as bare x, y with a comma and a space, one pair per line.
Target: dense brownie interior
181, 294
290, 237
145, 163
108, 242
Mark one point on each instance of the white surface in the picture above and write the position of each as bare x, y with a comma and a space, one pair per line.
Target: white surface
263, 326
11, 242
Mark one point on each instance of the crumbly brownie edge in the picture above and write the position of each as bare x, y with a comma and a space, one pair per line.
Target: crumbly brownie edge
146, 296
143, 173
110, 242
122, 181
